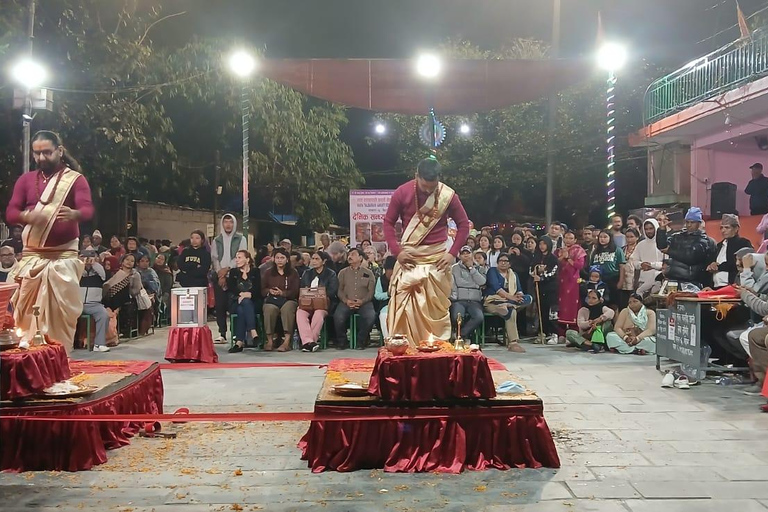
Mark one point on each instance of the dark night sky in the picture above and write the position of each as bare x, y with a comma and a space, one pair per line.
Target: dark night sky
666, 32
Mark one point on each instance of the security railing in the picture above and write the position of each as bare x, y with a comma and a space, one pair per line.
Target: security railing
727, 68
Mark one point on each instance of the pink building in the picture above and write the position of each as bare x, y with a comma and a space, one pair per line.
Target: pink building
706, 124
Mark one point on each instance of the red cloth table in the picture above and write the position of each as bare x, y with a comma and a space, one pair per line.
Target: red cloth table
78, 445
515, 436
431, 376
191, 344
25, 373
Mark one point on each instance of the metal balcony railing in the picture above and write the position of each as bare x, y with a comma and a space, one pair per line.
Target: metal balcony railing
724, 69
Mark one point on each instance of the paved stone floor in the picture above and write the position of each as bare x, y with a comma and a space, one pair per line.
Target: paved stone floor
625, 443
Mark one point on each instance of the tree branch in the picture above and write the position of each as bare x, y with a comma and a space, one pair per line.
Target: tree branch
158, 21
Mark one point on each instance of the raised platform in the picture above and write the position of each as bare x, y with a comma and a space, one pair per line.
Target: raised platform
124, 387
448, 435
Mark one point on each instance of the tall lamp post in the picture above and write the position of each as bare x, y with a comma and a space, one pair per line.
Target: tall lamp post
243, 65
30, 75
428, 66
611, 58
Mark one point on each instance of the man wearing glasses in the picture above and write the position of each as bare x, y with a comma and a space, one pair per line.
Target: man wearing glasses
50, 202
503, 297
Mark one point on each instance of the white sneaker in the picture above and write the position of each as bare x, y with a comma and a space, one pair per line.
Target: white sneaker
220, 340
668, 381
552, 340
101, 348
682, 382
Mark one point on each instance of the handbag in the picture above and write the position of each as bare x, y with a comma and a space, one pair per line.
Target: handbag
143, 302
313, 299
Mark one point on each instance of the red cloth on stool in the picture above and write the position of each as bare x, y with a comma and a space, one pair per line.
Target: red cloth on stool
726, 292
25, 373
520, 438
191, 344
431, 376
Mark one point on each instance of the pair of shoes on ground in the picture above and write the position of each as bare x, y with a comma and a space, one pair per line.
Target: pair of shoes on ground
677, 380
552, 339
310, 347
101, 348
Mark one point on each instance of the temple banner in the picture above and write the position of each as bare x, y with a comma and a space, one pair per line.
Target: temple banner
366, 218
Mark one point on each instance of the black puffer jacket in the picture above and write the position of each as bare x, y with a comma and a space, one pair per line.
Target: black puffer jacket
689, 254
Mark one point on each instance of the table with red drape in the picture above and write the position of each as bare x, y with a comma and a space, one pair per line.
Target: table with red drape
191, 344
431, 376
25, 373
78, 445
516, 436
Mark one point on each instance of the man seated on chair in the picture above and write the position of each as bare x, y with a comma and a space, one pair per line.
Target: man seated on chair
91, 283
503, 298
466, 294
356, 287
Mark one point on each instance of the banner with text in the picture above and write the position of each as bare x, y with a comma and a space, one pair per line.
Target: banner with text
366, 218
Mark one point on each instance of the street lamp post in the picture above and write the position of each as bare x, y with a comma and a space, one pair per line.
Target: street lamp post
243, 64
611, 58
30, 75
428, 66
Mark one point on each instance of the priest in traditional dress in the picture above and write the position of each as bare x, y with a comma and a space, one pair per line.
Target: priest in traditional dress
49, 202
420, 287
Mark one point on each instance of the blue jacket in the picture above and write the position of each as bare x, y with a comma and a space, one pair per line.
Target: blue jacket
494, 282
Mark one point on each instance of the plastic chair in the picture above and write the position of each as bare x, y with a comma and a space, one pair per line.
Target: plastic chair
88, 340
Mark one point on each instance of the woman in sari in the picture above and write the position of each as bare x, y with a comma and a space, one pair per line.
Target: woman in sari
119, 294
572, 258
634, 331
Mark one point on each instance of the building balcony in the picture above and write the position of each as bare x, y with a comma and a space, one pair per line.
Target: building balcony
727, 68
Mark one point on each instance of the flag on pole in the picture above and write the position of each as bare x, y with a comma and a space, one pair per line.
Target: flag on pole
743, 27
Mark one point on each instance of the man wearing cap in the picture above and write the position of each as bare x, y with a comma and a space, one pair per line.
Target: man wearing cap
723, 268
286, 244
466, 293
96, 239
421, 282
91, 283
757, 190
690, 251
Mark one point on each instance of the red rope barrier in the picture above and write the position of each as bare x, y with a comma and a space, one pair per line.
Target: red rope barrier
386, 414
222, 366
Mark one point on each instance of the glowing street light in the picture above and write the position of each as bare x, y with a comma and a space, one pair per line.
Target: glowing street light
612, 57
465, 129
428, 65
28, 73
380, 129
242, 63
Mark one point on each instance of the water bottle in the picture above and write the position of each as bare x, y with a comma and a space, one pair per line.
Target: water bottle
724, 381
296, 342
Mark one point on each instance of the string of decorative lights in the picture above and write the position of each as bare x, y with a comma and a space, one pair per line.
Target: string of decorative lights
610, 140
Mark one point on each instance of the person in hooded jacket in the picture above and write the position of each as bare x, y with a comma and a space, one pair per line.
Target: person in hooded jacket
690, 251
223, 253
194, 263
544, 273
647, 257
